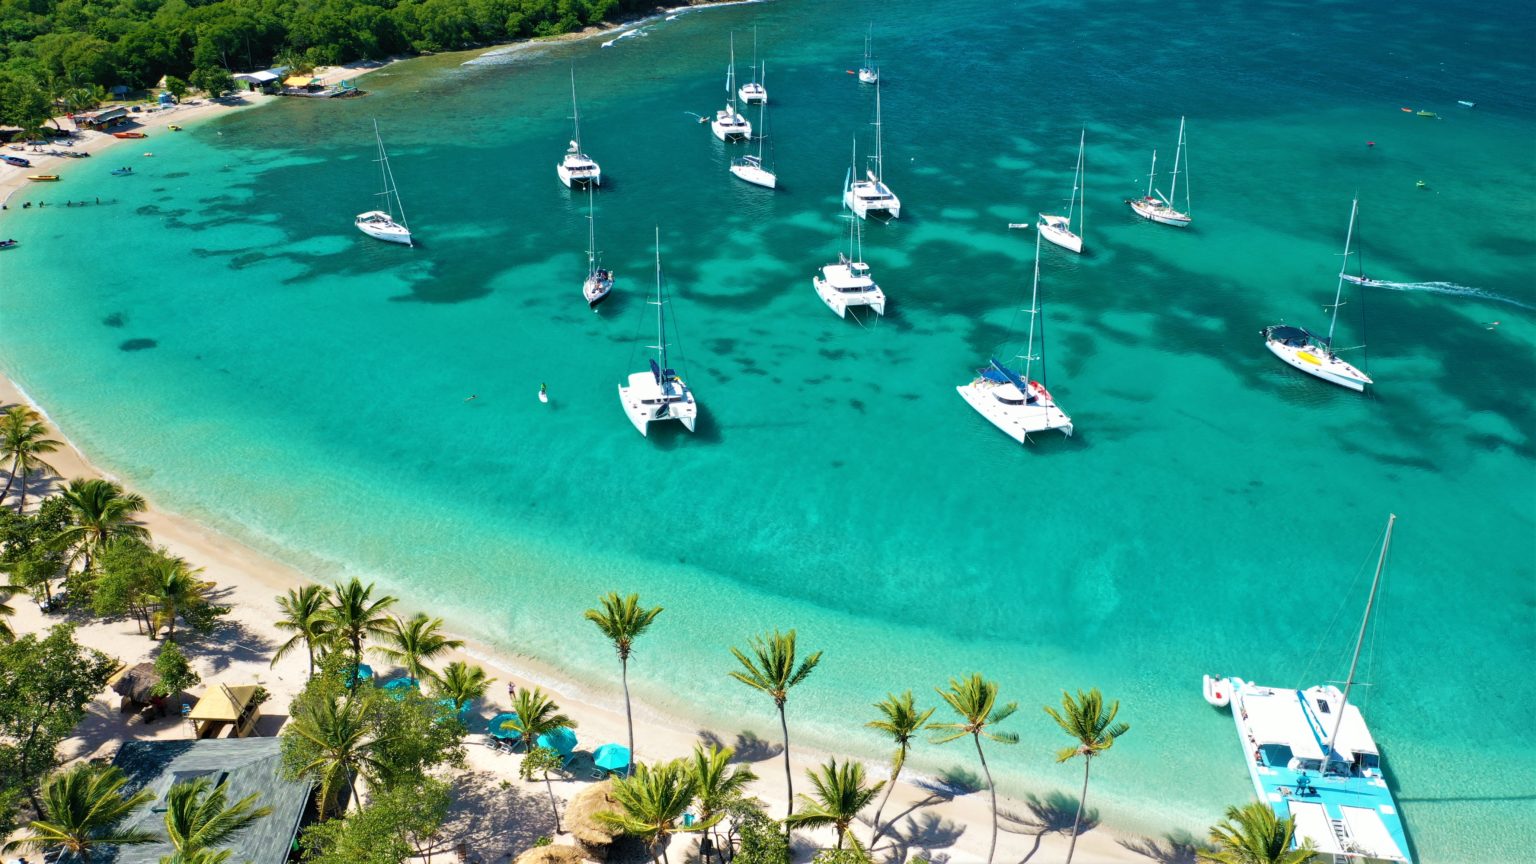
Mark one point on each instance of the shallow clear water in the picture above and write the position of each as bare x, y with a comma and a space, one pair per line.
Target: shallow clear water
223, 337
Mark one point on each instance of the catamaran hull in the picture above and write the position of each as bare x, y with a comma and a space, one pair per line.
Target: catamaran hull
1157, 212
753, 95
1062, 237
755, 176
1016, 421
864, 208
839, 301
641, 415
1319, 365
727, 130
578, 178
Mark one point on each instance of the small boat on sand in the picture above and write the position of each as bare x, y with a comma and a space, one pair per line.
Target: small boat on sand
16, 160
174, 128
43, 178
129, 135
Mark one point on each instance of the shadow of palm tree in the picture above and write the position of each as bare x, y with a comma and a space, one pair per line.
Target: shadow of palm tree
1178, 847
747, 746
922, 834
494, 819
951, 783
1051, 814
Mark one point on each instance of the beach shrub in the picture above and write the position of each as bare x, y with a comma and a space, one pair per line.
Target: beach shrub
176, 674
45, 684
213, 80
177, 87
398, 824
122, 582
758, 838
26, 553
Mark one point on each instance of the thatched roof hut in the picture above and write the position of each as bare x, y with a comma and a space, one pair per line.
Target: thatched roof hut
137, 682
581, 818
552, 854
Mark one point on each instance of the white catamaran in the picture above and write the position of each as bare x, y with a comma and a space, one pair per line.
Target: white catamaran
599, 280
1058, 229
751, 167
1161, 208
869, 73
577, 168
1015, 403
658, 393
870, 196
848, 281
1311, 758
754, 92
1302, 349
382, 223
728, 124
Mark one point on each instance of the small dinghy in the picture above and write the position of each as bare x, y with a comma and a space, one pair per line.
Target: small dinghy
1218, 692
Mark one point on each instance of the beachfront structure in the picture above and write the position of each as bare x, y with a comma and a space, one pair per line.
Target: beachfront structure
99, 119
265, 81
226, 708
247, 765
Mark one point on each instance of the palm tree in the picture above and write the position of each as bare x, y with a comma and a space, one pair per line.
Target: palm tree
339, 748
6, 632
303, 616
412, 643
654, 799
716, 782
974, 700
622, 620
100, 512
1093, 726
900, 720
173, 588
772, 670
840, 795
536, 715
353, 615
197, 819
23, 441
81, 810
462, 683
1253, 834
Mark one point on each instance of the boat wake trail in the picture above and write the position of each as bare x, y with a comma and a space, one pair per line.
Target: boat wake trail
1453, 290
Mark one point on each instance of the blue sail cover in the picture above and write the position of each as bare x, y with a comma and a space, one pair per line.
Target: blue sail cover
656, 371
1003, 375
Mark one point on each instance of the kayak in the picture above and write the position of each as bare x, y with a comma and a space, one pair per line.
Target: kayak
43, 178
129, 135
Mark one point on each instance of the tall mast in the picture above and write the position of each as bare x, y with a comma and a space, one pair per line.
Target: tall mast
383, 161
661, 318
879, 146
730, 74
1173, 191
869, 49
1339, 293
1034, 311
575, 112
591, 233
1151, 175
755, 70
1354, 662
762, 109
1077, 182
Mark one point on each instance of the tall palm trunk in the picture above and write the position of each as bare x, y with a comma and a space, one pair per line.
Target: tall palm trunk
22, 504
789, 780
992, 849
629, 717
10, 478
554, 806
875, 831
1082, 802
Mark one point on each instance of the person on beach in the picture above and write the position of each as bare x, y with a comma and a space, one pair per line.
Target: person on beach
511, 691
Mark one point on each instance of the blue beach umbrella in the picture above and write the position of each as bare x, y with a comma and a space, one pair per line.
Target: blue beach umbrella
398, 686
494, 727
561, 740
450, 707
360, 672
611, 757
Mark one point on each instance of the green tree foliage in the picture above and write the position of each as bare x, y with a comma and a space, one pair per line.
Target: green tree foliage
974, 701
622, 620
24, 442
100, 513
717, 786
537, 764
1253, 834
212, 80
840, 794
900, 719
304, 615
652, 801
177, 87
45, 684
414, 641
1092, 727
462, 683
176, 674
27, 553
122, 585
398, 824
770, 669
80, 811
354, 615
762, 840
23, 100
536, 715
199, 818
175, 591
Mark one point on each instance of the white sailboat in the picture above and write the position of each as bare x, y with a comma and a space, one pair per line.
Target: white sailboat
869, 73
729, 124
1014, 402
870, 196
848, 282
1302, 349
1058, 229
1161, 208
751, 167
382, 223
599, 280
1311, 758
754, 92
658, 393
577, 168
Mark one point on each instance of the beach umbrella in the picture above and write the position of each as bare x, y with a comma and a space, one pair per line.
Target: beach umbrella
561, 740
451, 707
611, 757
494, 727
397, 687
360, 672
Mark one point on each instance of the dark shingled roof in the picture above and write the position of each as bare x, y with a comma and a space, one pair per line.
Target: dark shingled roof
248, 764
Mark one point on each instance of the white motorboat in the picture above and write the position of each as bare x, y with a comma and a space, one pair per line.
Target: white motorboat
869, 73
382, 224
577, 168
599, 280
1013, 401
1311, 354
1160, 208
729, 124
871, 196
1218, 691
848, 282
751, 167
1058, 229
754, 92
660, 392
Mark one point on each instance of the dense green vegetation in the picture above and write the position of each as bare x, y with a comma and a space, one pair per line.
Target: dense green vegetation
51, 48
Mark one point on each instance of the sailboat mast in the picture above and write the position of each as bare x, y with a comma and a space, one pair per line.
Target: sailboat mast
591, 233
1338, 294
661, 318
730, 74
575, 112
762, 108
1152, 175
1034, 312
1381, 562
755, 70
879, 145
1173, 191
383, 161
1077, 182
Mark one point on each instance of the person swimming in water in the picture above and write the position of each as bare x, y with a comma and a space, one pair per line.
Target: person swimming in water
472, 397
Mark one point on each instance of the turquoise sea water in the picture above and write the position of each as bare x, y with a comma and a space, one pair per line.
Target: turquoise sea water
222, 337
